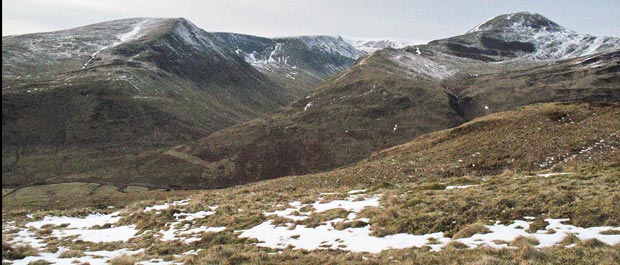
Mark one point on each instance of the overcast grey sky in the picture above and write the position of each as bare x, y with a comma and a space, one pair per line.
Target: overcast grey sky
414, 19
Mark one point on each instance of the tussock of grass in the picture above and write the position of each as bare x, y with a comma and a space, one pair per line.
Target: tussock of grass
123, 260
306, 208
455, 245
611, 232
486, 260
570, 239
593, 243
71, 254
470, 230
317, 219
460, 181
17, 252
279, 220
352, 224
523, 241
538, 224
528, 252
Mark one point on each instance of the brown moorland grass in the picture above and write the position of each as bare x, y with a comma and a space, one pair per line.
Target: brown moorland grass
417, 205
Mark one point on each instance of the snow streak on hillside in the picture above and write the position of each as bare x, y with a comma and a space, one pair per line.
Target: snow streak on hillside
370, 45
125, 37
331, 45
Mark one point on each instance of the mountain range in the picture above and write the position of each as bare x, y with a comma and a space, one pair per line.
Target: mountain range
394, 95
138, 80
175, 106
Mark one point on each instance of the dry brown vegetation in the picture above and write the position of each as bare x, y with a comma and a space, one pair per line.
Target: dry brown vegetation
419, 204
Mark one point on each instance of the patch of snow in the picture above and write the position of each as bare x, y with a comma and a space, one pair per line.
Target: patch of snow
356, 191
371, 45
166, 205
510, 232
327, 237
156, 262
113, 253
350, 204
546, 175
307, 106
460, 187
421, 65
192, 216
77, 222
175, 231
119, 233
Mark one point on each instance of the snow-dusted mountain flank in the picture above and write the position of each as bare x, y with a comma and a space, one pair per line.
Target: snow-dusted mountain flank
165, 80
524, 36
173, 70
370, 45
151, 141
299, 63
394, 95
126, 80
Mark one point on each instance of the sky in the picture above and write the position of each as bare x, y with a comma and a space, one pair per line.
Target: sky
413, 20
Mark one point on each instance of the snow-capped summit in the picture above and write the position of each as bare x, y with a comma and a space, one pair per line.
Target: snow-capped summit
518, 21
524, 36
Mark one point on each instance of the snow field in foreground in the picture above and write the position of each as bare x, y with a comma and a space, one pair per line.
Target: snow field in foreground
101, 228
358, 239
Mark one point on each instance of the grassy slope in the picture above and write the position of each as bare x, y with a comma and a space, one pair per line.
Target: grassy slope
343, 121
157, 87
64, 123
586, 79
419, 204
346, 121
354, 115
532, 138
76, 195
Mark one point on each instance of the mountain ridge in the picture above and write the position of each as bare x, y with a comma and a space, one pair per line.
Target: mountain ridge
392, 96
386, 98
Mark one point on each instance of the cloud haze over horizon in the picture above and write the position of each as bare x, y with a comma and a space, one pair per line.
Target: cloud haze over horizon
416, 20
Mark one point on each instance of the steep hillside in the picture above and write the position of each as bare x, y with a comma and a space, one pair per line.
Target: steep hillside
540, 137
374, 105
390, 97
523, 36
591, 78
422, 202
298, 63
387, 98
127, 81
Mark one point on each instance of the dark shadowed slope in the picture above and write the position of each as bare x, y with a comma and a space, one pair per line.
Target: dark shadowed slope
392, 96
127, 80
